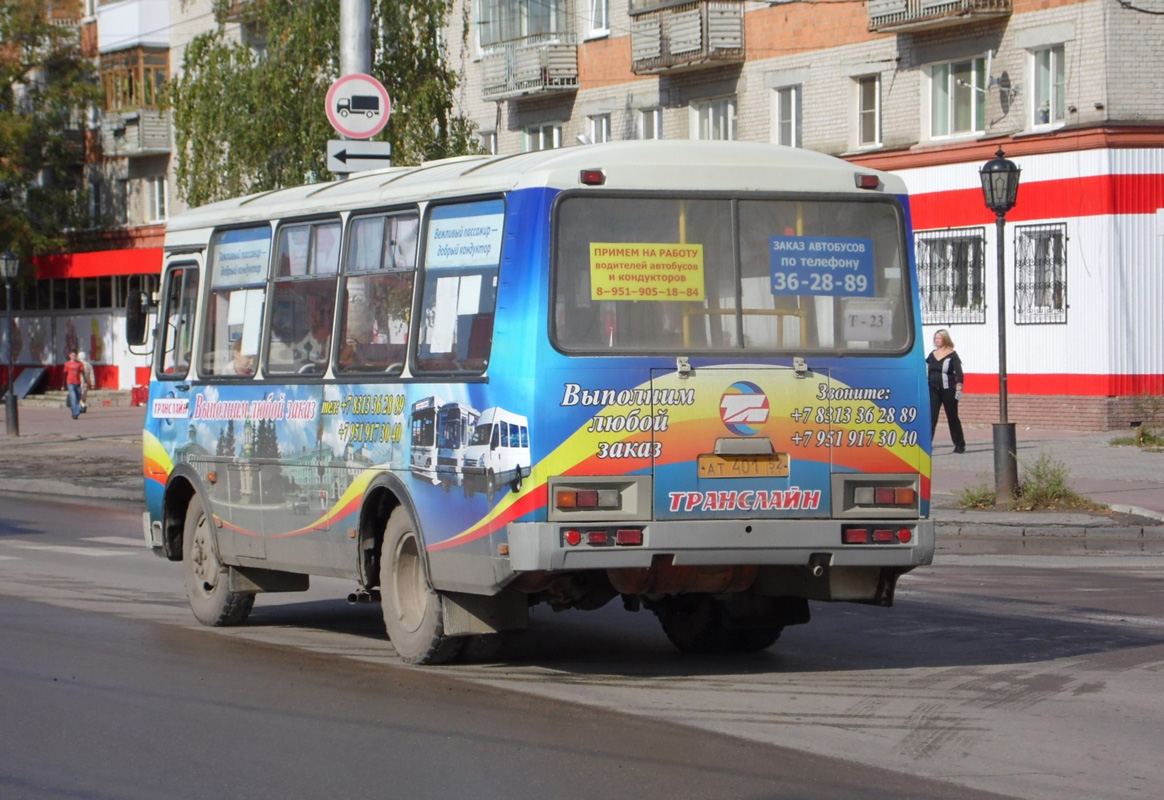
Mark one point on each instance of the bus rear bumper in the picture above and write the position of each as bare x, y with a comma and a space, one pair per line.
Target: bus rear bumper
543, 546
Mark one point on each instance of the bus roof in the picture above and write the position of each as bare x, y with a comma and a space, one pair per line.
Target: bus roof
662, 165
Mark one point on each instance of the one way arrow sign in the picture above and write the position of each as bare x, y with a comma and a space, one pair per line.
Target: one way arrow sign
344, 155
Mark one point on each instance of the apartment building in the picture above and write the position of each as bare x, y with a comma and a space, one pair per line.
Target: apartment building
928, 89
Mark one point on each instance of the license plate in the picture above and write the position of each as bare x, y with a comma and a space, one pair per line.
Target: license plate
772, 465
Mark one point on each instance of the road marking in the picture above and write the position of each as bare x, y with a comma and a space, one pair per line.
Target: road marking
93, 552
9, 558
127, 541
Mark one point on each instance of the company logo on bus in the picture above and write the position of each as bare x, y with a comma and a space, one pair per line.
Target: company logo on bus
743, 408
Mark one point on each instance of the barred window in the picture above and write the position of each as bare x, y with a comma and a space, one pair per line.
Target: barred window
1040, 279
950, 268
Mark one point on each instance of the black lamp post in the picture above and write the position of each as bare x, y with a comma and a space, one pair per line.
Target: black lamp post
1000, 182
9, 267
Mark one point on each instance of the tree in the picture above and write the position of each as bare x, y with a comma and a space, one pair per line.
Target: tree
249, 116
45, 86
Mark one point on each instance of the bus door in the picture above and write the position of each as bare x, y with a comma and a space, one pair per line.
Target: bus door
741, 442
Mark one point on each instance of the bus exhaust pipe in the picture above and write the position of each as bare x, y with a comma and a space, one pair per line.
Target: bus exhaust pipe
363, 597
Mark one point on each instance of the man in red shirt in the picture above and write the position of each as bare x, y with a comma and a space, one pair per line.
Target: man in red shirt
75, 382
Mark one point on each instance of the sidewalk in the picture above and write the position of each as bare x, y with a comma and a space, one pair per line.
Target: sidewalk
99, 456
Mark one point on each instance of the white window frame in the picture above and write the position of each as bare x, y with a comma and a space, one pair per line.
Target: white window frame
1049, 84
488, 141
543, 136
714, 119
649, 123
598, 19
787, 97
157, 200
598, 128
864, 113
949, 89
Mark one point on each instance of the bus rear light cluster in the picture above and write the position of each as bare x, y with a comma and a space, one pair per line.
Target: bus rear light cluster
884, 496
862, 535
602, 537
587, 499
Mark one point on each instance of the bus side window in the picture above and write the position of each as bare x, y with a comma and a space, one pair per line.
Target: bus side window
303, 298
462, 256
377, 293
181, 302
239, 260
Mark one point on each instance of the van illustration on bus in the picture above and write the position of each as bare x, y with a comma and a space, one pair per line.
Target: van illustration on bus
722, 364
498, 453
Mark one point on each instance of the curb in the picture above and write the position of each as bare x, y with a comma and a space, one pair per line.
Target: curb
62, 489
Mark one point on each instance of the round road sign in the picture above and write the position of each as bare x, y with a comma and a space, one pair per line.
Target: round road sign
358, 106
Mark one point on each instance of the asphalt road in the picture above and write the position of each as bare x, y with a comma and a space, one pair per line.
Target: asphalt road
1032, 677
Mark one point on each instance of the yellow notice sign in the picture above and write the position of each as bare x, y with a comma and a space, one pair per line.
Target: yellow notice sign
640, 271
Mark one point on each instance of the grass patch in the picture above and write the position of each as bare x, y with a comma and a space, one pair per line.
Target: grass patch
1042, 487
1149, 438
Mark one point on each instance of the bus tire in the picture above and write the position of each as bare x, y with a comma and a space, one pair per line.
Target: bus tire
206, 576
412, 610
696, 624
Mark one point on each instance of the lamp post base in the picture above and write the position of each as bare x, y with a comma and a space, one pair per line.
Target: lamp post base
1005, 464
11, 418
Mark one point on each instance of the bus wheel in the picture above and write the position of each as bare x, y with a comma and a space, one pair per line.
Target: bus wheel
206, 578
695, 624
753, 640
412, 609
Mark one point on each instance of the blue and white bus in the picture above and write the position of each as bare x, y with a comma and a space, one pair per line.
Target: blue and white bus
708, 352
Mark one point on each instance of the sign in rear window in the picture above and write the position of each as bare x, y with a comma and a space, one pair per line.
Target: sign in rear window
821, 265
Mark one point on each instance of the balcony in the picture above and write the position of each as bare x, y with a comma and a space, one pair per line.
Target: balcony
701, 34
548, 63
145, 132
904, 16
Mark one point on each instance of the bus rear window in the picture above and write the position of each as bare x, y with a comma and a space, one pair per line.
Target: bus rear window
649, 275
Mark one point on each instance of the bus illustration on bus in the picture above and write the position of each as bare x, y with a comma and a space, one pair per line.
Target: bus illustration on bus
423, 460
455, 424
701, 391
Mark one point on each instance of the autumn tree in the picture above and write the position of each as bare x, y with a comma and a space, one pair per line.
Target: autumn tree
45, 87
249, 114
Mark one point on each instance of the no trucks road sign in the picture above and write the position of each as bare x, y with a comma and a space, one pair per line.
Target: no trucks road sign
358, 106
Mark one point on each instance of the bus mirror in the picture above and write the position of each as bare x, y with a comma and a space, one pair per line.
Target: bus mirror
137, 309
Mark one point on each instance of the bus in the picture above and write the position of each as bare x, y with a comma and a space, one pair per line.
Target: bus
708, 352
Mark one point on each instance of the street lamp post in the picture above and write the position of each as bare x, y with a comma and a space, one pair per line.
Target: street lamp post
9, 266
1000, 182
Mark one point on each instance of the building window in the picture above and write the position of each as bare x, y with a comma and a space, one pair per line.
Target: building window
489, 143
156, 198
714, 119
134, 79
599, 128
508, 20
958, 98
650, 123
599, 18
1040, 280
869, 111
786, 113
1050, 107
542, 137
951, 265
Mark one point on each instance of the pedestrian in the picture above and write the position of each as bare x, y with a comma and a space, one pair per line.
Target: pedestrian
89, 381
74, 382
944, 371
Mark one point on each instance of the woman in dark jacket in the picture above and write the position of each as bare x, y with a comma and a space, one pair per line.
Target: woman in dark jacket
944, 370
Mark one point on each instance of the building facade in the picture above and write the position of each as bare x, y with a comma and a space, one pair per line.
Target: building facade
1070, 89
